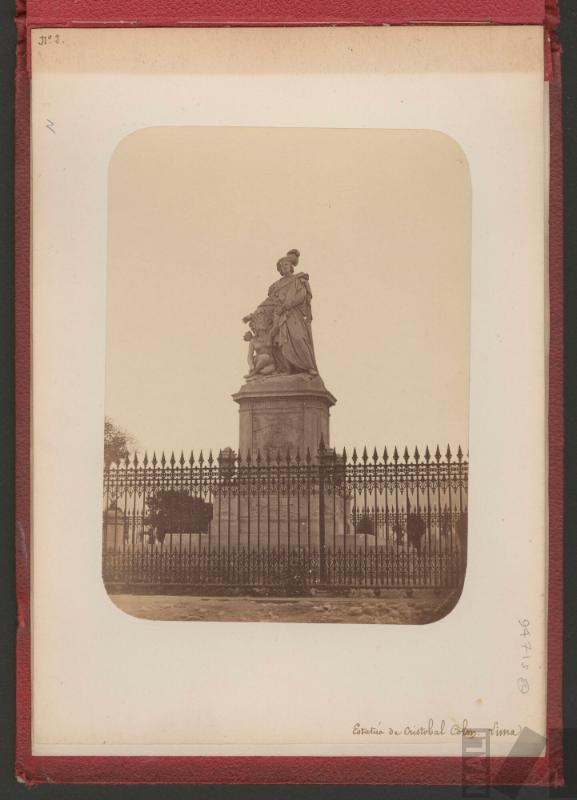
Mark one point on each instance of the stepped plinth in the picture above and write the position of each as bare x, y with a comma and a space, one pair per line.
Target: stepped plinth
280, 416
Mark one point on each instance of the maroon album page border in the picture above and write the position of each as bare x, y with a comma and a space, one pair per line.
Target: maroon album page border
545, 770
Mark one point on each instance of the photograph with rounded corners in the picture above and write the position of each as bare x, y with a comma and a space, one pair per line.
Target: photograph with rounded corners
287, 375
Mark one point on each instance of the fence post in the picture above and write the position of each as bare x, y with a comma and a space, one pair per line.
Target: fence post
322, 546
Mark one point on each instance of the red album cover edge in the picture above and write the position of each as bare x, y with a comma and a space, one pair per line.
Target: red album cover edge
270, 12
546, 770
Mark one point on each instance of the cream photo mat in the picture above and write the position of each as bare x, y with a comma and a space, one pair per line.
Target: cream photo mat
106, 683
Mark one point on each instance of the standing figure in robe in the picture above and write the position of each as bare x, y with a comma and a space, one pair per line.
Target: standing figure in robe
292, 334
288, 307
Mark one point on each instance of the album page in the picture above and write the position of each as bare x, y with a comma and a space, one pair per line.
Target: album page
289, 380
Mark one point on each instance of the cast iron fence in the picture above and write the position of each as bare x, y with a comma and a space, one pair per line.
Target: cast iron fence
287, 524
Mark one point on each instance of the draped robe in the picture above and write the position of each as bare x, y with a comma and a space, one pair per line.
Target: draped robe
289, 298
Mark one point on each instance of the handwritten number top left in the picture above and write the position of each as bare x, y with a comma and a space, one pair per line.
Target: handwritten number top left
49, 38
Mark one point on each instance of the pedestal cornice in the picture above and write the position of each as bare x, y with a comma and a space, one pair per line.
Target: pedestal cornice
286, 386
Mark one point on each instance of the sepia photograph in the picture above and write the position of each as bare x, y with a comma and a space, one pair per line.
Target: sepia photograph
288, 414
287, 375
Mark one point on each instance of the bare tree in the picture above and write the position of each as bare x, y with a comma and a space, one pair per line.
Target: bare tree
117, 443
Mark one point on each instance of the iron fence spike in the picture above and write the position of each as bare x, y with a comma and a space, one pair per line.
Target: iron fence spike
438, 453
449, 454
417, 454
406, 454
427, 454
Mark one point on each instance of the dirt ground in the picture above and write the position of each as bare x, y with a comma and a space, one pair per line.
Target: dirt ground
396, 608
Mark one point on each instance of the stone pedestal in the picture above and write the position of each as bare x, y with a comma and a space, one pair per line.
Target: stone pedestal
279, 521
284, 413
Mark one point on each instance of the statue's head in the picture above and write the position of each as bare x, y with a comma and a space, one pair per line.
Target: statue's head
286, 265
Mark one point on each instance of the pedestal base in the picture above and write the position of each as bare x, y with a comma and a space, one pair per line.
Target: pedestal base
283, 414
285, 521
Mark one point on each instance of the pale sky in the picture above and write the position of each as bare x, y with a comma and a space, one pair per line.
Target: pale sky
197, 220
